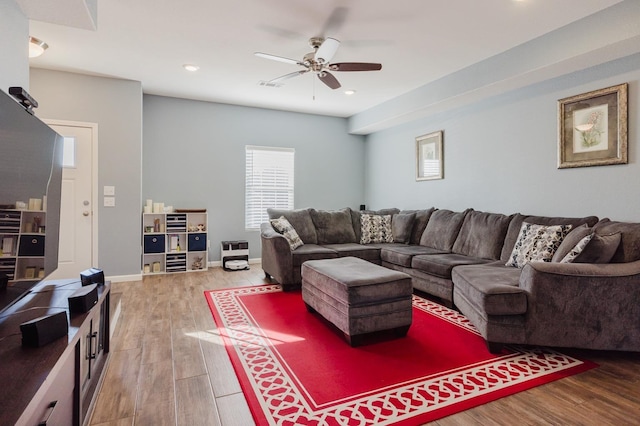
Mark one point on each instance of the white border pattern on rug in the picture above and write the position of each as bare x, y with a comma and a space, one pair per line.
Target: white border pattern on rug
283, 403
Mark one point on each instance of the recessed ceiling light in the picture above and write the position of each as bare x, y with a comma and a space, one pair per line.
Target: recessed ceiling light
349, 92
36, 47
191, 67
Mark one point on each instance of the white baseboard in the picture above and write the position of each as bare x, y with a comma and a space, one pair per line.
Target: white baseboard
122, 278
138, 277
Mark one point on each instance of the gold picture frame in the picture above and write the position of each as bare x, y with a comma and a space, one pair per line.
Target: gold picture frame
592, 128
429, 156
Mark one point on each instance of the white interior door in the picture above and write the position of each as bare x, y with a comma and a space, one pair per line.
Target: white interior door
77, 218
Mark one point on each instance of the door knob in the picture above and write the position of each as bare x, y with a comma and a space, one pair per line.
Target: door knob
85, 213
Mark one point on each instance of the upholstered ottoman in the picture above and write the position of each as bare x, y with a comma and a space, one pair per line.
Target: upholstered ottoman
358, 297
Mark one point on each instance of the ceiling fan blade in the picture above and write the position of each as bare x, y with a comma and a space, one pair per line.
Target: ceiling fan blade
288, 76
329, 80
355, 66
278, 58
326, 50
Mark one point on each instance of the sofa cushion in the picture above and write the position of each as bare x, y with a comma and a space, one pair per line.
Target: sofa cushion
419, 224
401, 227
376, 229
301, 222
357, 224
492, 288
311, 252
629, 248
402, 255
441, 265
283, 226
577, 250
333, 227
366, 252
518, 219
570, 241
600, 249
442, 229
482, 235
537, 243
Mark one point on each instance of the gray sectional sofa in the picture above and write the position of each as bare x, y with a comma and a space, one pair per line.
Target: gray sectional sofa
461, 257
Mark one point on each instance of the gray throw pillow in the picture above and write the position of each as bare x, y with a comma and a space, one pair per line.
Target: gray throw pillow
401, 227
600, 249
571, 241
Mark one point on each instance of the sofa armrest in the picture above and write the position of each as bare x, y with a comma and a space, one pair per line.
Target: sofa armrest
277, 260
583, 305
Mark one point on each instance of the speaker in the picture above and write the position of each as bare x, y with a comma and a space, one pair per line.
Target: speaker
92, 276
83, 299
40, 331
363, 207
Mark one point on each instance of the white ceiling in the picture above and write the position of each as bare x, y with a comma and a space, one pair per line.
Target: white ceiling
417, 41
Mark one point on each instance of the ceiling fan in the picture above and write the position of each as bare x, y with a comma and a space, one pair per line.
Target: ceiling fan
319, 62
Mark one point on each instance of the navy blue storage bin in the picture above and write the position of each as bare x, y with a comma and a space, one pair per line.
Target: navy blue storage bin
31, 245
197, 242
154, 243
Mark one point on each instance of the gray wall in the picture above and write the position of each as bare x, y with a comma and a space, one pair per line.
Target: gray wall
116, 106
14, 36
194, 157
500, 155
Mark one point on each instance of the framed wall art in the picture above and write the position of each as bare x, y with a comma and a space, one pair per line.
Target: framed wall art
429, 159
592, 128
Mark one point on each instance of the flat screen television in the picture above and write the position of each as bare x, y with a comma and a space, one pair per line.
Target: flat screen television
30, 190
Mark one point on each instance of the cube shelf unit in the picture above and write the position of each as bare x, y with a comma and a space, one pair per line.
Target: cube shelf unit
174, 242
22, 236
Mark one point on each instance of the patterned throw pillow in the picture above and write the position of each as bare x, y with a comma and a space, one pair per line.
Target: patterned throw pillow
283, 226
376, 229
577, 249
536, 243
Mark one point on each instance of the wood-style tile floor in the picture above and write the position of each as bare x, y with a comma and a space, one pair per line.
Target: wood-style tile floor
168, 367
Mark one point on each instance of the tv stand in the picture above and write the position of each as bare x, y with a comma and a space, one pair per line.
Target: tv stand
56, 383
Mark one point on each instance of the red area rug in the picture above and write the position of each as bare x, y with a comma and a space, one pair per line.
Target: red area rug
295, 369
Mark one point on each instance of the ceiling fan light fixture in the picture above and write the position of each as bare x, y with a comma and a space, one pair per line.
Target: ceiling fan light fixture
191, 67
36, 47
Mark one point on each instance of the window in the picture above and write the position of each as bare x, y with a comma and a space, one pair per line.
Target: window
269, 182
69, 152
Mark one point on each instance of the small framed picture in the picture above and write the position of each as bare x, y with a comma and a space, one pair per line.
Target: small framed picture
592, 128
30, 272
429, 158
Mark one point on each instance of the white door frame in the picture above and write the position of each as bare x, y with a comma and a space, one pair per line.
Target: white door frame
94, 178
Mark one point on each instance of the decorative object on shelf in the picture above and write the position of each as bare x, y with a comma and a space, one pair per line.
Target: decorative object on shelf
429, 158
201, 227
156, 225
30, 272
197, 263
592, 128
156, 266
147, 268
37, 220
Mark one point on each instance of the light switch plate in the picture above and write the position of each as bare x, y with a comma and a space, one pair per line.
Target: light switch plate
109, 190
109, 201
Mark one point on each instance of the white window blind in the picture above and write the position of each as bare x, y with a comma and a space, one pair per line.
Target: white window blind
268, 183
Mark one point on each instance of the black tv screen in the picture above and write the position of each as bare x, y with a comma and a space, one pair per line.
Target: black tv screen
30, 189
